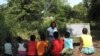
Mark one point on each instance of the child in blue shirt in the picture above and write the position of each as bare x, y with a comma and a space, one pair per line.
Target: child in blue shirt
68, 45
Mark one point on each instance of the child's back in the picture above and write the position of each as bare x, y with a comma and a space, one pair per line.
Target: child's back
87, 40
8, 47
86, 44
57, 45
68, 45
41, 47
31, 47
21, 47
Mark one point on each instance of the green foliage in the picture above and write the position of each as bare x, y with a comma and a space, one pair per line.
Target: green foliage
94, 11
24, 17
87, 3
65, 12
80, 11
4, 29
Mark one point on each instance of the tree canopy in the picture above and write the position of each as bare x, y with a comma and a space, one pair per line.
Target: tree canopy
22, 17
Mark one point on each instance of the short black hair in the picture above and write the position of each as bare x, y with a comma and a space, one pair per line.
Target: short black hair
84, 31
32, 37
19, 39
56, 35
8, 39
42, 35
67, 35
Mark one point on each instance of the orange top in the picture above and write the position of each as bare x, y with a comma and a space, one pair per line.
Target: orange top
41, 47
31, 48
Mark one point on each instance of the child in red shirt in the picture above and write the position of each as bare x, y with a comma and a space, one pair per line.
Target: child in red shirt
31, 48
57, 45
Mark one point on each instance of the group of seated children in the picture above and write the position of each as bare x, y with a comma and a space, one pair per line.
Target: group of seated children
40, 48
57, 47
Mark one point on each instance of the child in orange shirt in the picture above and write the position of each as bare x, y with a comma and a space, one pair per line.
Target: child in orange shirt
42, 46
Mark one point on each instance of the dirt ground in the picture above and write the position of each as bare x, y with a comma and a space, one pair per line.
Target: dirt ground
97, 49
76, 49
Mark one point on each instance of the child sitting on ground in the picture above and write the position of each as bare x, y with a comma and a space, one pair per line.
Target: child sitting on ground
31, 46
21, 47
57, 45
86, 44
42, 46
8, 47
68, 45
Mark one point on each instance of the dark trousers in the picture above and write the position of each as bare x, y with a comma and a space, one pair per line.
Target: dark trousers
8, 55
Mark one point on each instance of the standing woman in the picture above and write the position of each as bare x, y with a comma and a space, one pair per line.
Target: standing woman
49, 35
51, 30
